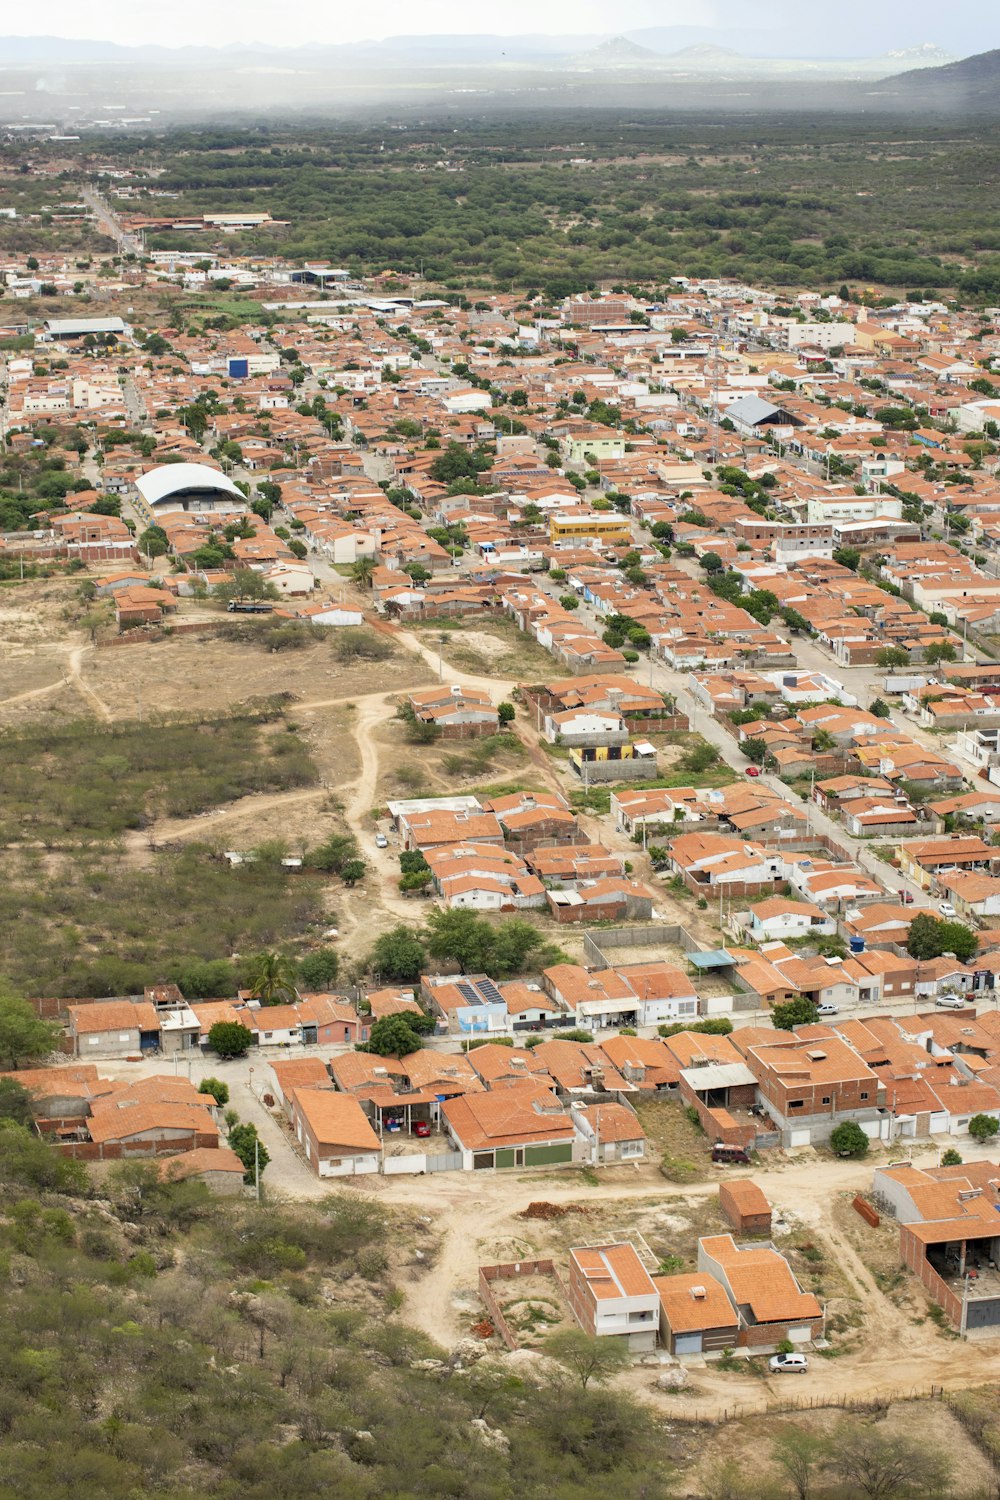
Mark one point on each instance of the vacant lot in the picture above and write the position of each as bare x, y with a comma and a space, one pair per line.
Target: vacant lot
205, 673
721, 1457
90, 924
78, 782
490, 647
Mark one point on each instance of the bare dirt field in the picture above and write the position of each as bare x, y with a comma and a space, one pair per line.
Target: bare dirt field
493, 647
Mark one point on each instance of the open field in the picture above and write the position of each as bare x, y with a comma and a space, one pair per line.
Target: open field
491, 647
81, 782
93, 924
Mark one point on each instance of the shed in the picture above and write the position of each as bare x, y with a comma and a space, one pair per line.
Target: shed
745, 1206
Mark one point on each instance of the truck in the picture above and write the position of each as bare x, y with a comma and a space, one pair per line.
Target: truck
249, 607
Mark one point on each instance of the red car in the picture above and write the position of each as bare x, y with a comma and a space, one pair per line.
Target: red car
753, 770
421, 1128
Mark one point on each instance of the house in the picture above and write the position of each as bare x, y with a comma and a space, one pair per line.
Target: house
745, 1206
512, 1127
113, 1028
923, 860
948, 1236
295, 1072
220, 1170
779, 918
610, 1132
612, 1295
760, 1285
636, 995
327, 1019
696, 1315
645, 1063
334, 1132
455, 712
808, 1087
506, 1067
973, 896
155, 1116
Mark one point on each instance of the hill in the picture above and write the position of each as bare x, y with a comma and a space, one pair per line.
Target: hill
974, 82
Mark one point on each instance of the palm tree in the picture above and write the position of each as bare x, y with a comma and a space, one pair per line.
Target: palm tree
271, 977
362, 570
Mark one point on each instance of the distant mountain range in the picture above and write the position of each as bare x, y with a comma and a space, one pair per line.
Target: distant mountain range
687, 49
86, 83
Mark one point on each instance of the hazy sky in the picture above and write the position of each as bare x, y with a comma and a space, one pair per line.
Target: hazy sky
803, 27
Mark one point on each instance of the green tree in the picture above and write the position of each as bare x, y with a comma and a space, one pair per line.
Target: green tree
362, 571
699, 757
398, 955
939, 651
848, 1139
891, 656
755, 750
506, 713
153, 542
798, 1453
218, 1090
230, 1039
712, 562
588, 1359
983, 1127
951, 1158
848, 557
394, 1036
244, 1140
883, 1465
245, 585
929, 937
23, 1037
271, 977
880, 709
15, 1102
797, 1012
317, 971
339, 850
353, 871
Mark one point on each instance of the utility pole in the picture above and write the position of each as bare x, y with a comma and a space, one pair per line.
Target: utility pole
256, 1165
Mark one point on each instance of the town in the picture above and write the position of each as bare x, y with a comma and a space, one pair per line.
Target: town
564, 734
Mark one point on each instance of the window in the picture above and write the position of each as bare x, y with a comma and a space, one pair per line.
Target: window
631, 1148
93, 1040
864, 1094
795, 1103
268, 1035
825, 1099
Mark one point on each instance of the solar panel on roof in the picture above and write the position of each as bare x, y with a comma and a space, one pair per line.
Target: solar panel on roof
468, 993
490, 991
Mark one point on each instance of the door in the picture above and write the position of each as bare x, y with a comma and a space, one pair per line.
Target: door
687, 1343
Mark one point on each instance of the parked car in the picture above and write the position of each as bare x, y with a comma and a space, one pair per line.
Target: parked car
950, 1002
381, 842
788, 1364
753, 770
828, 1009
729, 1155
947, 910
422, 1129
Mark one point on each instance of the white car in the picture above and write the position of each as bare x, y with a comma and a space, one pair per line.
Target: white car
950, 1002
381, 842
788, 1364
947, 910
828, 1009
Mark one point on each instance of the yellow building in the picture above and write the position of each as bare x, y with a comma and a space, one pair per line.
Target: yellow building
604, 526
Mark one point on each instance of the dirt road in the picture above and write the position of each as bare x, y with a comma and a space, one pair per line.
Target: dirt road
477, 1222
